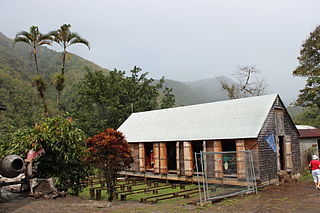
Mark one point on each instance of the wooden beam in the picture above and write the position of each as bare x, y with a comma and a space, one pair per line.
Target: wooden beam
210, 159
288, 152
163, 158
217, 147
188, 158
240, 159
178, 158
142, 157
156, 158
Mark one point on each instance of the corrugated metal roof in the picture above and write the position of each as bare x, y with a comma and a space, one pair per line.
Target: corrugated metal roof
305, 127
239, 118
309, 133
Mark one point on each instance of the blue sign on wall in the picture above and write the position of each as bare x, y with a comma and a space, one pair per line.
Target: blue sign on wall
271, 142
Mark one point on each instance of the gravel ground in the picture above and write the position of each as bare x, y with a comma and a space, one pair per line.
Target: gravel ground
300, 196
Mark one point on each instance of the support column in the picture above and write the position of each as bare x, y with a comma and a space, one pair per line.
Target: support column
142, 162
210, 159
288, 152
156, 158
178, 158
218, 159
163, 158
135, 155
188, 158
240, 159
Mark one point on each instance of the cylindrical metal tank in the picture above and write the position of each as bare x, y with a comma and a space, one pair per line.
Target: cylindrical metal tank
11, 166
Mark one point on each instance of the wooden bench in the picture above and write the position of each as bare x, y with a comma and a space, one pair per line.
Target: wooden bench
183, 193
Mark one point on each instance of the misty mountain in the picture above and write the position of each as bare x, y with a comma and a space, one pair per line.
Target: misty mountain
17, 69
196, 92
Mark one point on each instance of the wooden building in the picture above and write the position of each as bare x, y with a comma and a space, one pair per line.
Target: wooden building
309, 138
163, 142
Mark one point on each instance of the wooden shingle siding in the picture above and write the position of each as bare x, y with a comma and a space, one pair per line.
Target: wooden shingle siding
291, 131
268, 160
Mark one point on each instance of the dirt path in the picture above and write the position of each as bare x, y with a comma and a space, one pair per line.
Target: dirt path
290, 197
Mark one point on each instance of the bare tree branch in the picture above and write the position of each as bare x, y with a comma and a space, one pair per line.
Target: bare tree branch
249, 84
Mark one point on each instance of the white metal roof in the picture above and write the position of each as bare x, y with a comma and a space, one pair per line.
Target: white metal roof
305, 127
239, 118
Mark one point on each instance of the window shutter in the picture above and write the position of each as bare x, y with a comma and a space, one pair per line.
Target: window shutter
288, 153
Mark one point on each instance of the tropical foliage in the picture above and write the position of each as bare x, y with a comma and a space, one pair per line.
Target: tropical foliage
309, 67
310, 116
109, 152
35, 39
108, 100
17, 70
65, 38
64, 146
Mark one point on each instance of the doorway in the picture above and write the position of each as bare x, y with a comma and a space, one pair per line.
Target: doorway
197, 147
171, 156
281, 153
148, 155
229, 159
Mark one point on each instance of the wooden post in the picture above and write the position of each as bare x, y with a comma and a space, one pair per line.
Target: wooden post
210, 159
156, 158
279, 121
135, 154
240, 159
142, 162
217, 147
288, 153
188, 158
163, 158
181, 159
178, 158
278, 155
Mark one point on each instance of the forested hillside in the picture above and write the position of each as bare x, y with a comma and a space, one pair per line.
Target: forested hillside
16, 71
24, 107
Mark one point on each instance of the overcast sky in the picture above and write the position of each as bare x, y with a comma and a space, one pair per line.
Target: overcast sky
183, 40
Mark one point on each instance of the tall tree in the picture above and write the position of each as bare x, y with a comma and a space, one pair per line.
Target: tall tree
35, 39
106, 101
248, 83
309, 67
65, 38
110, 153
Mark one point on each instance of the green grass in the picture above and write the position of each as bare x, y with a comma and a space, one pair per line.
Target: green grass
136, 197
305, 177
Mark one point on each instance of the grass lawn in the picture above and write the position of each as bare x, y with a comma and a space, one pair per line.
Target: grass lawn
136, 197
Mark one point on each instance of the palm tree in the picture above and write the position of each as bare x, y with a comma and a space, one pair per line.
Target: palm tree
35, 39
65, 38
